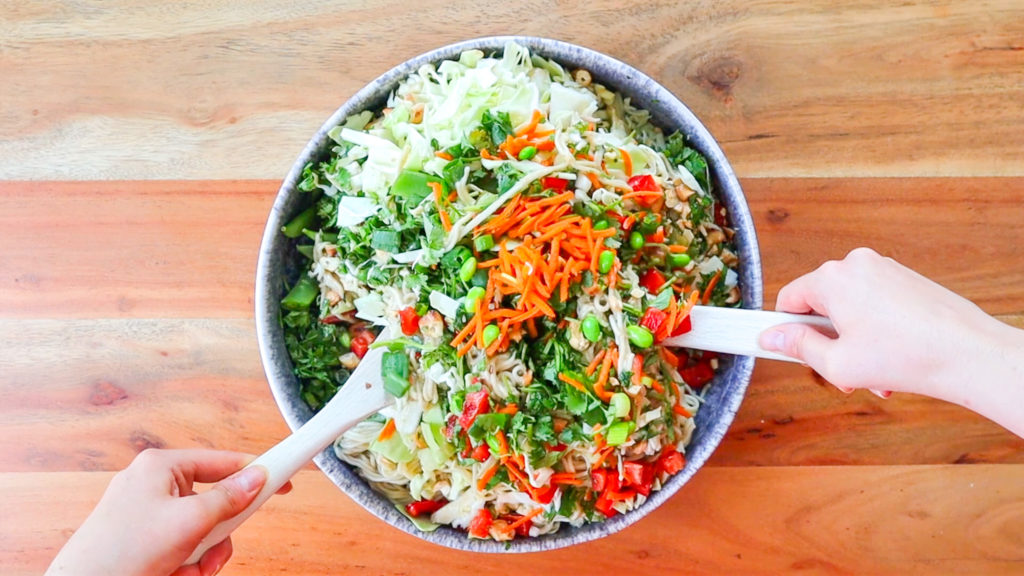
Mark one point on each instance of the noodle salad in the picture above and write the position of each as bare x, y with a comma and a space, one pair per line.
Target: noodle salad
531, 238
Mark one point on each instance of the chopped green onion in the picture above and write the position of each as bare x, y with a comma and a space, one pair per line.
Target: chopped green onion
413, 186
527, 152
591, 328
467, 269
619, 432
620, 404
386, 240
294, 227
605, 261
640, 337
394, 368
473, 298
301, 295
482, 243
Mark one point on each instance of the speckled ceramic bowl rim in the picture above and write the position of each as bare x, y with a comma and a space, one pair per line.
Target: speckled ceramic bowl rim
724, 396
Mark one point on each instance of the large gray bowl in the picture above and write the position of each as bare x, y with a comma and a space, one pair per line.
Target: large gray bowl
277, 265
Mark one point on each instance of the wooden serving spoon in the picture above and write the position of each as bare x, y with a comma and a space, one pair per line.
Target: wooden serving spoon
362, 395
736, 330
726, 330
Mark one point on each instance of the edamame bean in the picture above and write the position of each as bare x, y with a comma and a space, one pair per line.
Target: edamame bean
527, 152
473, 299
605, 261
636, 240
467, 269
640, 337
591, 328
491, 333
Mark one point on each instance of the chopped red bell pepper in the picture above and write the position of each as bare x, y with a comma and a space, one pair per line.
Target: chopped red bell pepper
685, 325
699, 374
653, 319
604, 506
643, 183
554, 183
480, 525
449, 428
545, 495
410, 320
424, 507
481, 453
604, 479
361, 341
639, 476
475, 404
652, 280
671, 460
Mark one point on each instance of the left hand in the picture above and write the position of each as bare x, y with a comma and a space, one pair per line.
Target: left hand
150, 520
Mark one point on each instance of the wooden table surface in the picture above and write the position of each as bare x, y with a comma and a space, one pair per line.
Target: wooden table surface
142, 143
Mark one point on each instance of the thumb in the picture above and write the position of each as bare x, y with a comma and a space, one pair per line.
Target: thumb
231, 495
799, 341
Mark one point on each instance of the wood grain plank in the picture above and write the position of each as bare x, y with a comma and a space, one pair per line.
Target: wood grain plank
211, 91
131, 249
188, 249
817, 520
90, 394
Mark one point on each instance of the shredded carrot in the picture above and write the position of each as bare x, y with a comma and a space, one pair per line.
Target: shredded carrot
566, 478
532, 125
679, 408
573, 382
710, 287
595, 362
524, 519
669, 358
499, 435
559, 424
602, 455
438, 191
638, 368
602, 379
677, 249
627, 163
511, 409
640, 194
387, 431
657, 386
481, 484
594, 180
443, 155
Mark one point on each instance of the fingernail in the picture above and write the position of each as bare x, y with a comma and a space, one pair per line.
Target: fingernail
250, 479
773, 340
883, 394
845, 390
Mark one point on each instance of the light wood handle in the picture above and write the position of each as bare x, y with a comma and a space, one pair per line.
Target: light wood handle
362, 395
736, 330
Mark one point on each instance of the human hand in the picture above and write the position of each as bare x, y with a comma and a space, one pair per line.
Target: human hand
897, 331
150, 520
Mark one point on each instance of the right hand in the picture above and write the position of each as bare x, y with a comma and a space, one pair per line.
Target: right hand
897, 330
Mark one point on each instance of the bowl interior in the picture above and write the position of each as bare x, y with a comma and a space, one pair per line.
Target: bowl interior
277, 265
